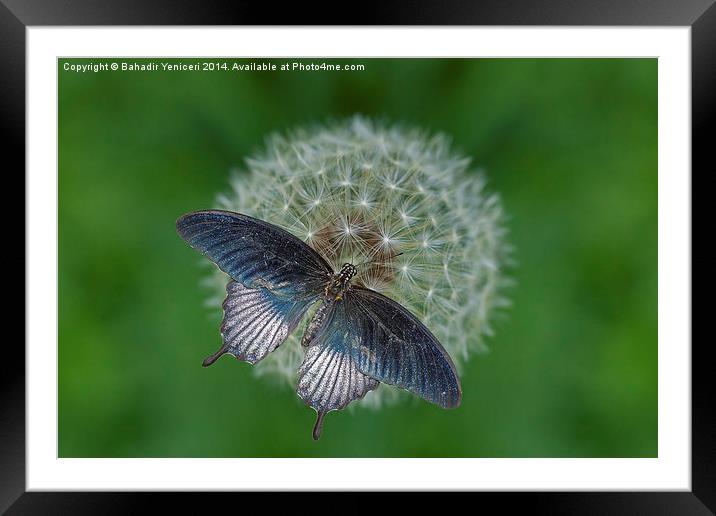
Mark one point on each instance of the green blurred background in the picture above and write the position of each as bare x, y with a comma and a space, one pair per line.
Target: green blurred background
571, 146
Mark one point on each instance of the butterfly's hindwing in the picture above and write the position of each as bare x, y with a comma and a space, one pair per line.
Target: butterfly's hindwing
328, 378
256, 321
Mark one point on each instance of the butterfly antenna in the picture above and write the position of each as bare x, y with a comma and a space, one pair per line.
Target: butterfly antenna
318, 427
374, 260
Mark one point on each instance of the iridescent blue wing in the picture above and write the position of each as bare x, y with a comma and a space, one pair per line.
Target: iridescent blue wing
367, 338
328, 378
390, 344
256, 253
276, 278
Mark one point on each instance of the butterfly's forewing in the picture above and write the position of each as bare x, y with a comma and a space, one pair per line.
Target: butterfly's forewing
276, 278
390, 344
256, 253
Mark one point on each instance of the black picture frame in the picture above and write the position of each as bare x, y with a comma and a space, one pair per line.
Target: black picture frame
17, 15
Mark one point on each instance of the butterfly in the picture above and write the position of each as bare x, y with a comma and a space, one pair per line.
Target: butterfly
356, 338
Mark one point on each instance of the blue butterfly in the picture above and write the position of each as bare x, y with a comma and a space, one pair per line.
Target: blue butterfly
356, 338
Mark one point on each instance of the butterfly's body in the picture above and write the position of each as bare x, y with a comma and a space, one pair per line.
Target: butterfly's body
356, 339
341, 282
317, 320
333, 293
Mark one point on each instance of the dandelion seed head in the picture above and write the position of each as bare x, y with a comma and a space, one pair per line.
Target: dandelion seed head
359, 191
